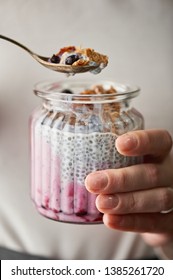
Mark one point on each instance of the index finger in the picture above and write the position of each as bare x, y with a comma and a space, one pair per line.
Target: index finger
145, 142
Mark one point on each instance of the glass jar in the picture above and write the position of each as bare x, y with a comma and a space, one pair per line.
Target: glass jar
73, 135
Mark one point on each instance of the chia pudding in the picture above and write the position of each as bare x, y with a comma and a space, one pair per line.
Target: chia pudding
73, 133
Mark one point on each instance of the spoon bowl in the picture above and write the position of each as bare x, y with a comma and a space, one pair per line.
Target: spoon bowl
68, 69
45, 61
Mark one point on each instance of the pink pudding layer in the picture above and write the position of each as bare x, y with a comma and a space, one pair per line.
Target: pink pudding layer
61, 158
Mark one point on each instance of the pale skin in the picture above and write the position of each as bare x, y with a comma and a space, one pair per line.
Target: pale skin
132, 198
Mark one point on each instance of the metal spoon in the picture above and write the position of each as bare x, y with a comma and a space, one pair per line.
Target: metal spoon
45, 61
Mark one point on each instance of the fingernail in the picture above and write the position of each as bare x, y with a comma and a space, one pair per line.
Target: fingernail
107, 202
126, 142
96, 181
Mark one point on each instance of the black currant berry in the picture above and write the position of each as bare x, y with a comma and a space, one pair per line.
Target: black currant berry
71, 59
66, 90
55, 59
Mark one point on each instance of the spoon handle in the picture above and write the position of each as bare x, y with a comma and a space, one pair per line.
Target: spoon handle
16, 43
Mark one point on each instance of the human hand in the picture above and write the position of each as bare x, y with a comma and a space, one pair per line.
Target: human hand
132, 198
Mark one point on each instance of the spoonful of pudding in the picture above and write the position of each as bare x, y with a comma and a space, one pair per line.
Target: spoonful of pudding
70, 60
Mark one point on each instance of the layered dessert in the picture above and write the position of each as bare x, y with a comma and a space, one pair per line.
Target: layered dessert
77, 56
71, 140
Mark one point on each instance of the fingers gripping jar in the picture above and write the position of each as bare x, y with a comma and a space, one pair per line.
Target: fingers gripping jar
73, 133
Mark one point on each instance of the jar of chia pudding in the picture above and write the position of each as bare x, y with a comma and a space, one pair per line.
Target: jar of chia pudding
73, 133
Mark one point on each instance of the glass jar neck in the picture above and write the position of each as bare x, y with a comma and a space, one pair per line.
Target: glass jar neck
54, 94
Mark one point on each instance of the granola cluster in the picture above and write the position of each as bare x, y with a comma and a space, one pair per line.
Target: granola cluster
110, 107
99, 89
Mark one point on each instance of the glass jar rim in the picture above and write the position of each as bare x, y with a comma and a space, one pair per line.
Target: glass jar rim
52, 91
